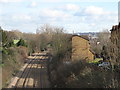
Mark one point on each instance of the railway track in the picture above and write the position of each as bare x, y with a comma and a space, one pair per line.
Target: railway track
33, 74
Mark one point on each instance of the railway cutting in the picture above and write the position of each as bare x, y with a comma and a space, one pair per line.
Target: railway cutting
33, 74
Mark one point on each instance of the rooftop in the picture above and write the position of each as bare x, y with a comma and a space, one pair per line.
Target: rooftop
116, 27
82, 36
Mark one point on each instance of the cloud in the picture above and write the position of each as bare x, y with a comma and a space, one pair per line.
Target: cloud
59, 1
92, 10
71, 7
95, 19
21, 17
8, 1
33, 4
54, 13
86, 18
93, 14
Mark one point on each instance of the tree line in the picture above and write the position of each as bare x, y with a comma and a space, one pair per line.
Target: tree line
58, 43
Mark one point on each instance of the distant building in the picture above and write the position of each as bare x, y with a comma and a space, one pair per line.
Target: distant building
81, 48
115, 49
91, 35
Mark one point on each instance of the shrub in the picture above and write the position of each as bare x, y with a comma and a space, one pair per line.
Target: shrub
21, 43
12, 61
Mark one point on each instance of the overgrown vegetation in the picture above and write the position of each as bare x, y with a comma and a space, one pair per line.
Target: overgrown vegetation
102, 40
11, 62
61, 71
84, 75
13, 56
79, 74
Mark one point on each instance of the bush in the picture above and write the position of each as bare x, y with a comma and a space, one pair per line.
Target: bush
21, 43
12, 61
81, 75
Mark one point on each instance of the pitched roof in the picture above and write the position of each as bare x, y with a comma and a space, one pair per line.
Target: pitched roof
92, 51
82, 36
116, 27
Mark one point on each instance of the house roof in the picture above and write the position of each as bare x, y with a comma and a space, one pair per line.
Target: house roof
116, 27
92, 51
82, 36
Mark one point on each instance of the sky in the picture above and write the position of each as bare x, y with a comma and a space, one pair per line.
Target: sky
73, 15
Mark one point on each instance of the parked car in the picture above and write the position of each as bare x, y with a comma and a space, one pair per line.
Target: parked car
104, 64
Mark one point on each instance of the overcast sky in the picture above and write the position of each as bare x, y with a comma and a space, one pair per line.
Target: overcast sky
73, 15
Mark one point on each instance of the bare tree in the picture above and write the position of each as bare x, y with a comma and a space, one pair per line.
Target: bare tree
102, 40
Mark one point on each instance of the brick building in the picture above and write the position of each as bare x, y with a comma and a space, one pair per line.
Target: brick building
81, 48
115, 48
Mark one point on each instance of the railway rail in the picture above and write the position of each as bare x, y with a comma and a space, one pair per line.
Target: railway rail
33, 74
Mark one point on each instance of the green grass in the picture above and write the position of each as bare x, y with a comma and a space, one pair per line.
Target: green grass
1, 65
1, 48
15, 41
96, 60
